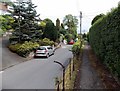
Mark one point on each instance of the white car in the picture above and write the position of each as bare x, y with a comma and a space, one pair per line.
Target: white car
44, 51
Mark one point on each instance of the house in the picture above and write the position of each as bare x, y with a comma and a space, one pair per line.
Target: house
3, 8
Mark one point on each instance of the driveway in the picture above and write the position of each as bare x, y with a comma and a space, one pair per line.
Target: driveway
8, 58
38, 73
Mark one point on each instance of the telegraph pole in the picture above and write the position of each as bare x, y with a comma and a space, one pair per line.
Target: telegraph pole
80, 29
80, 22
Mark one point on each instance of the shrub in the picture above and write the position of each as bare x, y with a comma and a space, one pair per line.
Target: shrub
76, 48
15, 47
104, 38
46, 42
23, 49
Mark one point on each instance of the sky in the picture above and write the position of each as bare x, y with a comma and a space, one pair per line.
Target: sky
54, 9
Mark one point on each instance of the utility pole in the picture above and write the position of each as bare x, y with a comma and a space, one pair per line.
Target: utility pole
80, 29
80, 22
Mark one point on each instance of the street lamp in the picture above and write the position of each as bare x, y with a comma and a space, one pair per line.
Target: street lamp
63, 67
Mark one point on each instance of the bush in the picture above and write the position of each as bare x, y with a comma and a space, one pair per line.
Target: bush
46, 42
23, 49
104, 38
76, 48
15, 47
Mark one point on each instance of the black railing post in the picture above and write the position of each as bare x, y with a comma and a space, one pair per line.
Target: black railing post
63, 67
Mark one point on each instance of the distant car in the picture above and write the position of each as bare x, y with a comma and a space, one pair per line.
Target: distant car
45, 51
71, 42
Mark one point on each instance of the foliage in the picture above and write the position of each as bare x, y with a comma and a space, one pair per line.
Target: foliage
71, 23
46, 42
50, 31
87, 36
104, 38
76, 48
68, 37
23, 49
42, 25
25, 22
14, 48
47, 20
5, 22
58, 24
63, 31
84, 36
96, 18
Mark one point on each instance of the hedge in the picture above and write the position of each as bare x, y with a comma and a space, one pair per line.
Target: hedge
76, 48
104, 37
23, 49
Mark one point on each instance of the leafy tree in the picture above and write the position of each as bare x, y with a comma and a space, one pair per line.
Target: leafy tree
62, 26
50, 31
96, 18
88, 36
69, 37
71, 23
84, 35
63, 31
42, 24
47, 20
6, 21
25, 22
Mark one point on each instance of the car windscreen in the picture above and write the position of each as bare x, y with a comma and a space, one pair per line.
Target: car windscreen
41, 48
49, 48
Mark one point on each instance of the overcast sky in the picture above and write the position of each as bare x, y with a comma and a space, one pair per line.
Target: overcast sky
54, 9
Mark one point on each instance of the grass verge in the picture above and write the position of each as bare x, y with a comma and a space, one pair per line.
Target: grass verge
107, 78
72, 77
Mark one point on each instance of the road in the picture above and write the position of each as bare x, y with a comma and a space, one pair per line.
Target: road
38, 73
0, 80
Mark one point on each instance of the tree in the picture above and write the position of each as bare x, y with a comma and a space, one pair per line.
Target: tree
96, 18
47, 20
84, 36
71, 23
25, 22
6, 21
50, 31
58, 24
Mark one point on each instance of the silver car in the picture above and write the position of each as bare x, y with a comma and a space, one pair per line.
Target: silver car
44, 51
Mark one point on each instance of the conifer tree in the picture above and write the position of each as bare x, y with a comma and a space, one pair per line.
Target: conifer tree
25, 24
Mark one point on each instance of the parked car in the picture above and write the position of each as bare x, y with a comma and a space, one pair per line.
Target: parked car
71, 42
44, 51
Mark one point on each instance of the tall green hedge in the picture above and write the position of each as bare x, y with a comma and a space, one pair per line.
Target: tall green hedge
104, 37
